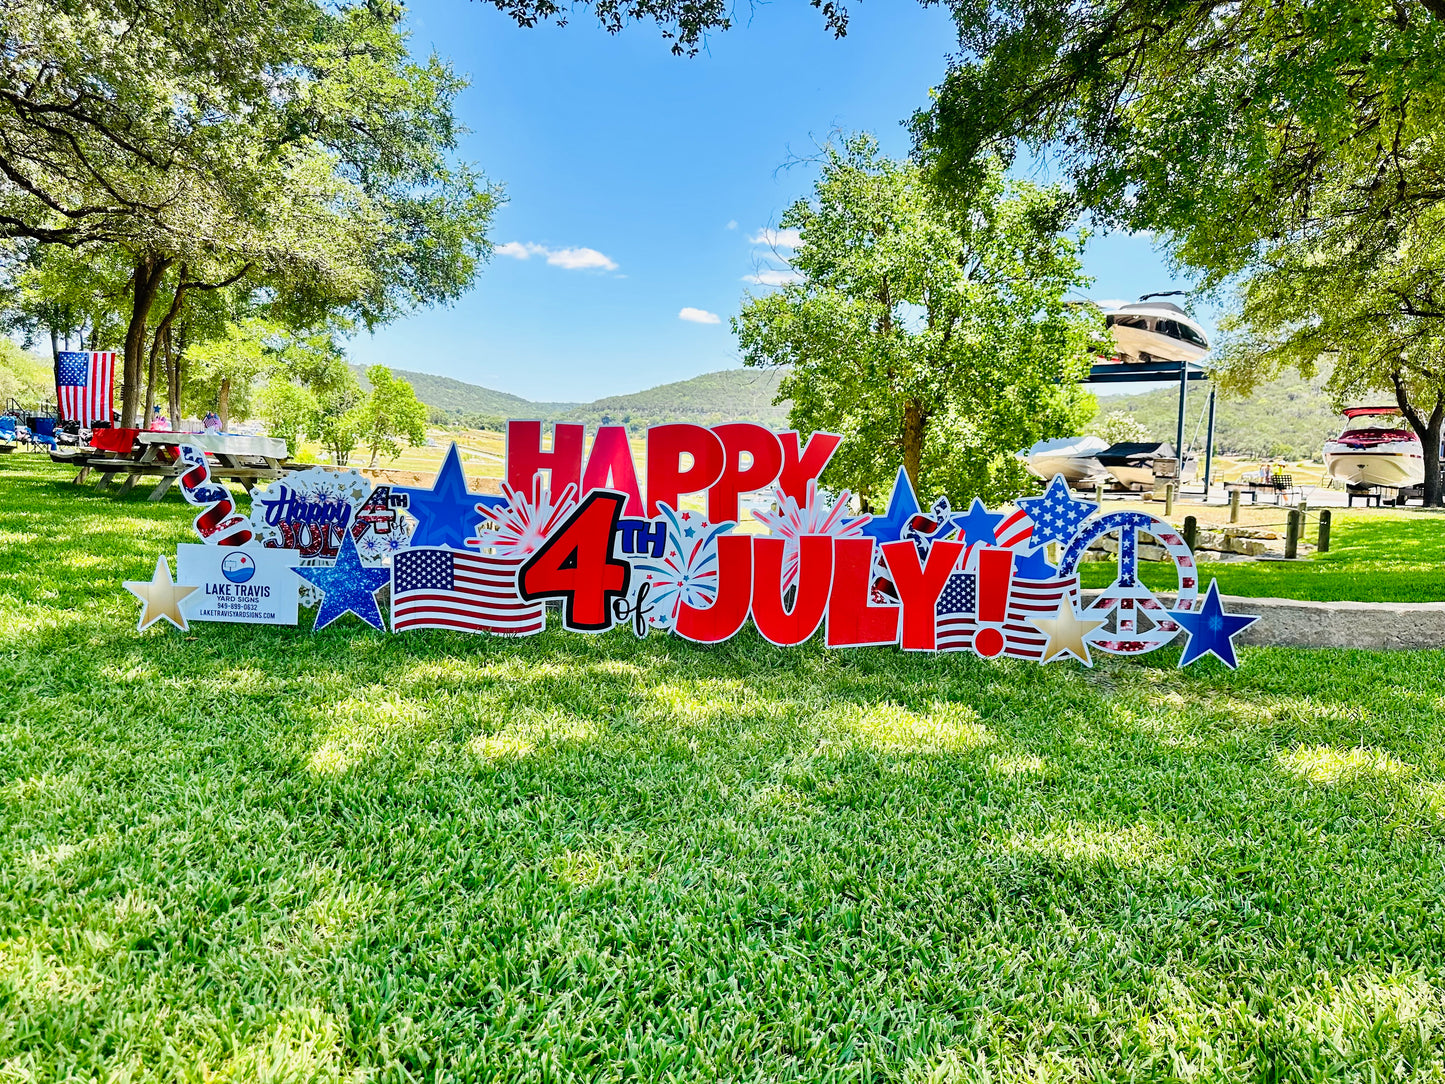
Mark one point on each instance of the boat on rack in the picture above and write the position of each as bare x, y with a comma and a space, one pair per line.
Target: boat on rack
1132, 464
1376, 448
1076, 458
1150, 336
1155, 331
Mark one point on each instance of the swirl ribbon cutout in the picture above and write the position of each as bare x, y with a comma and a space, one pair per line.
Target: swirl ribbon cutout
220, 524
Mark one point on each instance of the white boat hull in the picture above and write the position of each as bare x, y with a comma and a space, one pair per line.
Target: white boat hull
1393, 465
1134, 343
1076, 469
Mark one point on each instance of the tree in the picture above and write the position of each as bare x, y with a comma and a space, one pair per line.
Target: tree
683, 22
1291, 146
1119, 427
287, 407
1213, 122
1374, 317
225, 369
931, 331
292, 145
390, 414
64, 298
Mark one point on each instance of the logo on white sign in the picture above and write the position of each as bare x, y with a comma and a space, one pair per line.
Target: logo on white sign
250, 584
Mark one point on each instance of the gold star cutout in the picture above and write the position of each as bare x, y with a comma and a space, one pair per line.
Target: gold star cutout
162, 597
1066, 632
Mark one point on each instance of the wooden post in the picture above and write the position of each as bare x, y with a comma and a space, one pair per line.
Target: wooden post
1291, 535
1099, 493
1191, 531
1168, 500
1323, 546
1234, 506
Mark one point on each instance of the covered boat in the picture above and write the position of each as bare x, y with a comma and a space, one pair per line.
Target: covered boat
1076, 458
1132, 463
1375, 449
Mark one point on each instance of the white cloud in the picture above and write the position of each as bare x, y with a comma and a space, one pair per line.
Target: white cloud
699, 316
515, 249
732, 224
572, 259
580, 259
774, 276
777, 238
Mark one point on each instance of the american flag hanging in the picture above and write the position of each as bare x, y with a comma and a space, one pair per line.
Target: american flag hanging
437, 588
85, 388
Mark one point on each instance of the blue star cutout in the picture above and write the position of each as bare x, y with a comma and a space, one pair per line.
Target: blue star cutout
902, 507
446, 514
1211, 630
348, 586
1034, 565
980, 525
1057, 514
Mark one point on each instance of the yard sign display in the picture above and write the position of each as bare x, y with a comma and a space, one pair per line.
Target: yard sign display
581, 532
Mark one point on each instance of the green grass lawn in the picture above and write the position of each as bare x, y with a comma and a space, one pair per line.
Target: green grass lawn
259, 854
1375, 556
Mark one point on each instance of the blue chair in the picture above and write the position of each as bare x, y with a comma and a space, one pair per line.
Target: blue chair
42, 433
8, 432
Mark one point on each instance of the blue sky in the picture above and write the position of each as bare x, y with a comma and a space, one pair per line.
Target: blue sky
637, 183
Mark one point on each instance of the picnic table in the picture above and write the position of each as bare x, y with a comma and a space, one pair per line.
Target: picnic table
136, 454
1280, 485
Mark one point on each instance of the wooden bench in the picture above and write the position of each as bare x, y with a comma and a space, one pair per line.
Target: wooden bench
1280, 485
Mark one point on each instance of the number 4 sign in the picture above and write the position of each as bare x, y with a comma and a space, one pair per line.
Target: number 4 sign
576, 565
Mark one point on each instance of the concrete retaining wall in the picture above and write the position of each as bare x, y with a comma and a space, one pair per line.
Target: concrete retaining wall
1371, 626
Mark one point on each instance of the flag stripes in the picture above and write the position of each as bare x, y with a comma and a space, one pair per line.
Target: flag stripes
436, 588
85, 385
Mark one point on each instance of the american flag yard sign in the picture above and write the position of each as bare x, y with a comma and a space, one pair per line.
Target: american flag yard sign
85, 389
958, 613
437, 588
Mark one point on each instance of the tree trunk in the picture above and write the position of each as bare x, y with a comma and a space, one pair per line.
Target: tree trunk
146, 281
151, 373
223, 404
915, 425
55, 364
1428, 430
173, 381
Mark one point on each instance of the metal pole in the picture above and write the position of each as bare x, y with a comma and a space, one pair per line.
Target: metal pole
1209, 444
1179, 428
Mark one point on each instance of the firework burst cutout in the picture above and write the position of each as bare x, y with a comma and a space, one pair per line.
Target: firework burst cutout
687, 570
523, 524
815, 516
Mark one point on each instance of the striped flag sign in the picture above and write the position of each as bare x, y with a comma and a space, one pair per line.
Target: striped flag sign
957, 618
437, 588
85, 385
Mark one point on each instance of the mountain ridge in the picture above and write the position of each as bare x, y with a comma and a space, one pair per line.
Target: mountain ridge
721, 396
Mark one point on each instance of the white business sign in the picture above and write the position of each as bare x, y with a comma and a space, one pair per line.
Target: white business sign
250, 583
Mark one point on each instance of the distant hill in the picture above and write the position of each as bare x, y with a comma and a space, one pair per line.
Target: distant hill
744, 395
458, 397
1288, 418
741, 395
